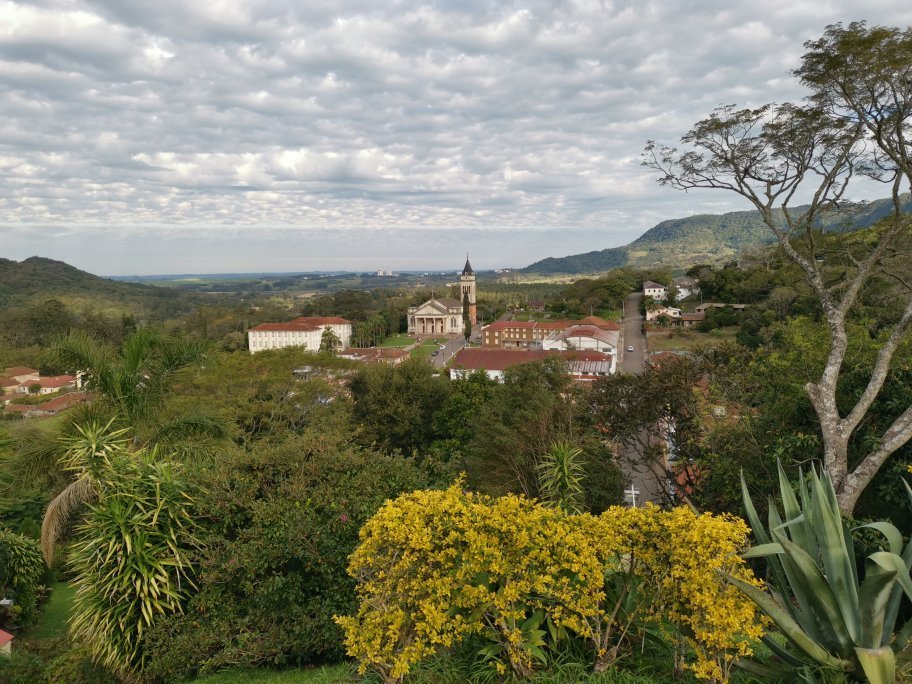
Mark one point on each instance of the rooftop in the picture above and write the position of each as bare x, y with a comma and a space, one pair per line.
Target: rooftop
302, 324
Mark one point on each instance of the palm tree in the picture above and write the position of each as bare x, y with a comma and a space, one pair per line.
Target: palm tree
132, 385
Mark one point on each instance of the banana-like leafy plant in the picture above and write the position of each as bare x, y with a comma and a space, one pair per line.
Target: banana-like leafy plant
830, 618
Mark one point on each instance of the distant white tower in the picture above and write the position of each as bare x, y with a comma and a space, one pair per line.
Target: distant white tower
467, 287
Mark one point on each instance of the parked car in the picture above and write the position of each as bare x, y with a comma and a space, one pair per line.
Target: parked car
630, 348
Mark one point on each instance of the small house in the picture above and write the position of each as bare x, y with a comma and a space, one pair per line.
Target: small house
6, 643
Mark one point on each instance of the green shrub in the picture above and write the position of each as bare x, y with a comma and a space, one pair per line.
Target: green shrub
280, 525
22, 667
21, 571
75, 666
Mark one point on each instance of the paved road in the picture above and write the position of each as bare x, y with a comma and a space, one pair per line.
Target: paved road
644, 480
451, 346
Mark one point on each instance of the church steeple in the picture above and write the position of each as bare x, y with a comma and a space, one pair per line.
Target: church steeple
467, 287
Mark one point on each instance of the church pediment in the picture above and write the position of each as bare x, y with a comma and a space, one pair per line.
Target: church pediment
430, 308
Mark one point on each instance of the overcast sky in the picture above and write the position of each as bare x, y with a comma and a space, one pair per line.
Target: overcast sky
288, 135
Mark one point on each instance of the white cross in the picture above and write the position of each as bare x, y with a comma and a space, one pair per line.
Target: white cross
631, 495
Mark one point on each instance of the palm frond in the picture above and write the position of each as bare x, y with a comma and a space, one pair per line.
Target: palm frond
59, 512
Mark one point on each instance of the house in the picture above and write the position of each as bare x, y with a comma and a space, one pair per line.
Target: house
686, 286
49, 408
436, 317
667, 311
583, 366
536, 305
655, 290
389, 355
6, 643
48, 385
690, 320
306, 332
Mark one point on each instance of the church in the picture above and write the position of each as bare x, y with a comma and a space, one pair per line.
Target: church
444, 316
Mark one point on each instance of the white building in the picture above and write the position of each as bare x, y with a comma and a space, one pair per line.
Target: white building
585, 338
655, 290
668, 311
306, 332
583, 366
436, 317
686, 286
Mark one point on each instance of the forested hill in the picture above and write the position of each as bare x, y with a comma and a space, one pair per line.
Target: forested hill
37, 279
701, 239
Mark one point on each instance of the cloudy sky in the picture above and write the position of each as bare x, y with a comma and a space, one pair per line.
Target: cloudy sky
288, 135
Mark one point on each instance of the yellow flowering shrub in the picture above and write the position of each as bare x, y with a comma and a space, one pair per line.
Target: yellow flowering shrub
676, 557
436, 566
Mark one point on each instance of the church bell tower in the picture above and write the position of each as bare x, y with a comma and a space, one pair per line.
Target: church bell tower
467, 287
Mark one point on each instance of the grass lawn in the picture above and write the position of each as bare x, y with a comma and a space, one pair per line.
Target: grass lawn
52, 622
398, 341
426, 348
323, 675
676, 339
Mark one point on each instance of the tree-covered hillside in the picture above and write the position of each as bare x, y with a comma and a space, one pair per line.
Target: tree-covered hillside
701, 239
37, 279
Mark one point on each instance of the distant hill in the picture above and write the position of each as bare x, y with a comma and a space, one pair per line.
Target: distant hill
37, 279
701, 239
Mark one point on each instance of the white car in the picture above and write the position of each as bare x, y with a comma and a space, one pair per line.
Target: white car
630, 348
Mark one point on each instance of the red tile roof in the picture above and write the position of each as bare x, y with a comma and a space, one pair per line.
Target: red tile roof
601, 323
5, 638
54, 381
505, 325
587, 331
19, 370
64, 401
54, 406
8, 382
303, 323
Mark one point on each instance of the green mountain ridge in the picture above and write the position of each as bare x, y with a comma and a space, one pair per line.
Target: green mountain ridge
37, 279
703, 238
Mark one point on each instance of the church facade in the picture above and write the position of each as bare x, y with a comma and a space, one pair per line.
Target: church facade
436, 317
444, 316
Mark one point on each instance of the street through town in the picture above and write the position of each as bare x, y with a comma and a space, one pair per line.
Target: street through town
645, 481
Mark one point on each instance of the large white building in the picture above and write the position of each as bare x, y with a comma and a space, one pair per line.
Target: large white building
436, 317
306, 332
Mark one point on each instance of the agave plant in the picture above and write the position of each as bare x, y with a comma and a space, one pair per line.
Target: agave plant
829, 618
561, 472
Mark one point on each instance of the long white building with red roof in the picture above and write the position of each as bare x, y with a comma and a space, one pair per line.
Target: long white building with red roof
306, 332
583, 366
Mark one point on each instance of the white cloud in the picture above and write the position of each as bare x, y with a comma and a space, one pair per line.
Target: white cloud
435, 119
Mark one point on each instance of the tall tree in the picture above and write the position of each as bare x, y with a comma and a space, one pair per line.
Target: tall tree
857, 120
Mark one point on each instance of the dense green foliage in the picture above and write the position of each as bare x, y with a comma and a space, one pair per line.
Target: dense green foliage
277, 527
21, 573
